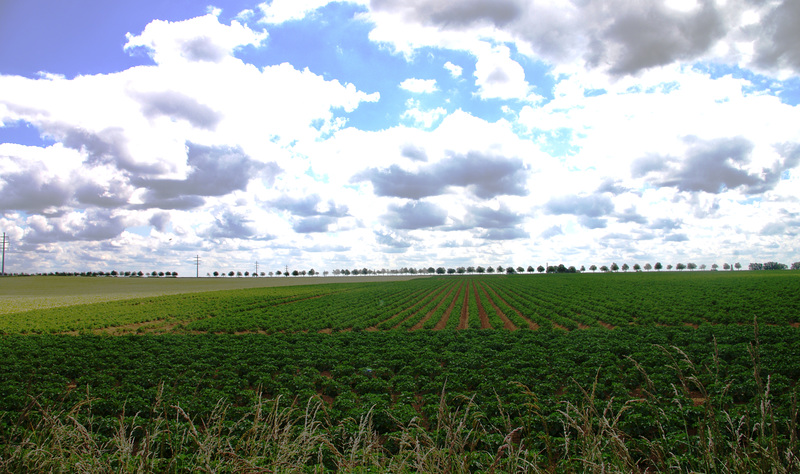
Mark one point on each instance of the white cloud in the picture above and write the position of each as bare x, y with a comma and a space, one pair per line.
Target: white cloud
425, 118
281, 11
419, 86
454, 70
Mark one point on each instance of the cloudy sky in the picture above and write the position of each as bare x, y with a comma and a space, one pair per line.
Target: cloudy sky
389, 133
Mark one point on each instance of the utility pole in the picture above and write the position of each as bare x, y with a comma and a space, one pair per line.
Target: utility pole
197, 265
256, 267
3, 271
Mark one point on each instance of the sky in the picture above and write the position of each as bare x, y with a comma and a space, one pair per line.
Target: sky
386, 134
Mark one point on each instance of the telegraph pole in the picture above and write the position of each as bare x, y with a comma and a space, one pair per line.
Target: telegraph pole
197, 265
256, 267
3, 271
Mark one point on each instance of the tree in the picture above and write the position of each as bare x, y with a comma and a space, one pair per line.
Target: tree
725, 266
540, 269
295, 273
796, 266
625, 267
648, 267
440, 271
247, 274
657, 266
490, 269
593, 268
614, 266
470, 269
216, 273
155, 273
680, 266
531, 269
451, 271
510, 270
238, 274
311, 272
714, 266
480, 269
461, 270
500, 269
583, 269
520, 269
603, 268
636, 267
737, 265
691, 266
230, 273
702, 266
669, 267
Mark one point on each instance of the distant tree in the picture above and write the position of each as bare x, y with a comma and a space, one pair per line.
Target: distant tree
614, 266
775, 266
216, 273
636, 267
303, 272
551, 269
247, 274
593, 268
155, 273
461, 270
510, 270
230, 273
657, 266
521, 270
603, 268
725, 266
669, 267
127, 274
295, 273
531, 269
114, 273
346, 272
648, 267
572, 269
583, 269
451, 271
714, 266
702, 266
440, 271
490, 269
263, 274
737, 265
680, 266
311, 272
470, 269
239, 274
140, 273
795, 266
625, 267
540, 269
480, 269
691, 266
500, 269
561, 268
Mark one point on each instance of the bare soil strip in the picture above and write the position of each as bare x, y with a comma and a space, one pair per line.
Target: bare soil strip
531, 324
485, 324
425, 319
439, 292
463, 323
443, 322
507, 324
605, 324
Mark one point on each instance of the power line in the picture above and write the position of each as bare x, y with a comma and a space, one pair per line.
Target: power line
197, 264
3, 270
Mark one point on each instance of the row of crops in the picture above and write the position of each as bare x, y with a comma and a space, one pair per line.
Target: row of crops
657, 383
492, 302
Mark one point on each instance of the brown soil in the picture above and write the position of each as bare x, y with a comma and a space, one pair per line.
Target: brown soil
425, 318
443, 322
485, 324
795, 325
507, 324
692, 325
531, 324
463, 322
558, 326
583, 326
416, 300
605, 325
326, 331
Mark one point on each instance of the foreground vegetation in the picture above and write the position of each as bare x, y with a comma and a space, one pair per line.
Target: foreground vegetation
560, 373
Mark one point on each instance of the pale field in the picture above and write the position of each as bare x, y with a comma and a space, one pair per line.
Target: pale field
36, 292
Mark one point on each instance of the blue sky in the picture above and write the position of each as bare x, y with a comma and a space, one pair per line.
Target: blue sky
385, 134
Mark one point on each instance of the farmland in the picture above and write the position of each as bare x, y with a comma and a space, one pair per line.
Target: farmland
622, 372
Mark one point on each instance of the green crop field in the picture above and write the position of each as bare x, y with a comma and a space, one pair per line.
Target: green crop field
693, 371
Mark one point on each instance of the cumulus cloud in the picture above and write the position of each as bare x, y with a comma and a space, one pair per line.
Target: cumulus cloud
485, 176
453, 69
198, 39
215, 171
590, 209
178, 106
386, 239
551, 232
419, 86
312, 224
231, 225
715, 166
74, 226
414, 152
415, 215
308, 206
